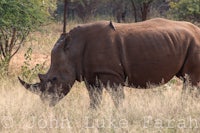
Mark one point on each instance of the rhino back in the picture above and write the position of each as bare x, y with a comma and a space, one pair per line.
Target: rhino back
151, 51
156, 50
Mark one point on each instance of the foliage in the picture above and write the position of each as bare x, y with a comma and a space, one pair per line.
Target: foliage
18, 19
186, 10
84, 9
28, 72
120, 9
141, 9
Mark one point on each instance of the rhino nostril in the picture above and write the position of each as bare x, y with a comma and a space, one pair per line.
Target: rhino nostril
52, 80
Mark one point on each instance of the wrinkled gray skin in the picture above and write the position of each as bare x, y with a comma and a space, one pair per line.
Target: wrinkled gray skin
56, 83
153, 51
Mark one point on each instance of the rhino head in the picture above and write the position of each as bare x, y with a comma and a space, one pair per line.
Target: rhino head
57, 82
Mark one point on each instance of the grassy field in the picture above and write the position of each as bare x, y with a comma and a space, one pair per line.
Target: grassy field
161, 109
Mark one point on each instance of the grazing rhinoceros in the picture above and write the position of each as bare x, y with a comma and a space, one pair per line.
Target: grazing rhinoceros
105, 53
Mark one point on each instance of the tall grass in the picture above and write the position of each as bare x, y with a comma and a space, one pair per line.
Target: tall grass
159, 109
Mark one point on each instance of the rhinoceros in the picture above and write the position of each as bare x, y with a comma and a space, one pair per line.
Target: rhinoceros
113, 55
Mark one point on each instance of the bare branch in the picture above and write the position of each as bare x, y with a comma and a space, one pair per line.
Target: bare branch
12, 42
6, 47
16, 50
134, 9
1, 45
2, 50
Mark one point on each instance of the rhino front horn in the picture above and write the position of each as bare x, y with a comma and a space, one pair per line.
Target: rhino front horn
35, 88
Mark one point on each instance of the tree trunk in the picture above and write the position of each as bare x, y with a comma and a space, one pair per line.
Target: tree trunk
145, 9
134, 10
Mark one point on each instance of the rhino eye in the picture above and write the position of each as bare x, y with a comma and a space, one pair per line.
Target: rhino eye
54, 78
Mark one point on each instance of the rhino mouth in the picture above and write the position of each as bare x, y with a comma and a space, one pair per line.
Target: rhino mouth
50, 99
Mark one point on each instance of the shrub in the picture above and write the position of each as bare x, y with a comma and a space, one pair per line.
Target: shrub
186, 10
28, 71
18, 19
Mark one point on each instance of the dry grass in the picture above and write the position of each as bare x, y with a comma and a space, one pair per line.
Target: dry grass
161, 109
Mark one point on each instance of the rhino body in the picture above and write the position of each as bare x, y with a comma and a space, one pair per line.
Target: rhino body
105, 53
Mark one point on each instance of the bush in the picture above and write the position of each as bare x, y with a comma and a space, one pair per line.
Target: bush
18, 19
29, 72
186, 10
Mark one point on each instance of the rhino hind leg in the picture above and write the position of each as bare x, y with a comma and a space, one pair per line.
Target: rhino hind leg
191, 74
187, 85
193, 85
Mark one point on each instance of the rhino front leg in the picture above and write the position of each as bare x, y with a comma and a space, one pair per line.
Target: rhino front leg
95, 94
117, 95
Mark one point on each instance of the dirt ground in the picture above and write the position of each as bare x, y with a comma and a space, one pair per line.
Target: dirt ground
36, 58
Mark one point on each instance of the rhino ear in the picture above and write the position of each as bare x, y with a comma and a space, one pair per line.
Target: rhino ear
67, 41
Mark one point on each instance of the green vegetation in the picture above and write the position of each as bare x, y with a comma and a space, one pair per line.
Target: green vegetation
186, 10
120, 9
18, 19
28, 71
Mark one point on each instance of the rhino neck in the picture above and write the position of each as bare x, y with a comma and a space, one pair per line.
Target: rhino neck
77, 50
77, 74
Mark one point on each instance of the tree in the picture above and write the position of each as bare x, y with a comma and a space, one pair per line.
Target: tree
120, 10
84, 9
18, 19
59, 11
186, 10
141, 8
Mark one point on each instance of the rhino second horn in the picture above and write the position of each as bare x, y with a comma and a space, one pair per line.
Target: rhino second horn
31, 87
